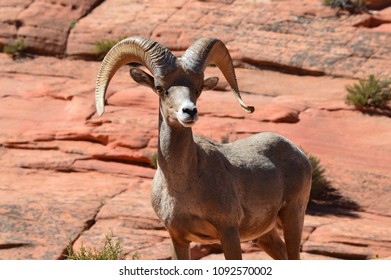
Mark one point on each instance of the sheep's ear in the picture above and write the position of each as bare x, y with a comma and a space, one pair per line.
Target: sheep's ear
142, 78
210, 83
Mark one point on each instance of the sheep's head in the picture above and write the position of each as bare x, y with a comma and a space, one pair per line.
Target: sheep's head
178, 82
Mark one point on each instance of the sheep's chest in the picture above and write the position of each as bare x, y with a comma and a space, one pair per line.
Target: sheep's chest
185, 221
192, 215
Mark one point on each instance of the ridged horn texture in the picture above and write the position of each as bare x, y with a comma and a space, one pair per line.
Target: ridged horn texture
158, 59
208, 51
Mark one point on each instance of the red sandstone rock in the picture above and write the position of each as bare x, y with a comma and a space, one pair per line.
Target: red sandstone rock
255, 34
41, 211
44, 25
378, 4
381, 22
117, 19
141, 233
349, 238
9, 22
260, 39
67, 172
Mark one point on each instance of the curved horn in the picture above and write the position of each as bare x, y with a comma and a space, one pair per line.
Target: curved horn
213, 51
158, 59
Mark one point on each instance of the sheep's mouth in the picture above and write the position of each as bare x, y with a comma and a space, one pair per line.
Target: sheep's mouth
188, 123
186, 120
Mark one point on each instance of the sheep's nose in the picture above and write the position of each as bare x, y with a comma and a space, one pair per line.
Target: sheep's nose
192, 112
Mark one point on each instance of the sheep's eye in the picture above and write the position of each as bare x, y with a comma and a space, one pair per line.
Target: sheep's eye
160, 90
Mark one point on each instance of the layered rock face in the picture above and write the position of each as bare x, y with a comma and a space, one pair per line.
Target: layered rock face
67, 174
43, 25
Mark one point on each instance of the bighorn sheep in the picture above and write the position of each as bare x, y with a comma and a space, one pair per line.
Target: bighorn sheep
204, 191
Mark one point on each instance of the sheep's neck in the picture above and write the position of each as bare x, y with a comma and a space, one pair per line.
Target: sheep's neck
177, 151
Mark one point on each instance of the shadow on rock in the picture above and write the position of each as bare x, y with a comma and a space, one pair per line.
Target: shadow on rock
375, 111
328, 201
324, 198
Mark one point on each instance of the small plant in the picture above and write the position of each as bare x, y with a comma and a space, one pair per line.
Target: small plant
110, 251
73, 24
135, 256
103, 47
225, 139
153, 162
369, 93
319, 181
17, 48
353, 7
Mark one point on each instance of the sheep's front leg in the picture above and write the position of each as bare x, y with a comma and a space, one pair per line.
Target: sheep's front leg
230, 241
180, 250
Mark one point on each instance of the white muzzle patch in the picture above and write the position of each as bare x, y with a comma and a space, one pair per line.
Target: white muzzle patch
187, 115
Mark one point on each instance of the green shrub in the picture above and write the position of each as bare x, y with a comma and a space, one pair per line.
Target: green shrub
103, 47
352, 7
369, 93
153, 159
16, 48
110, 251
225, 139
73, 24
344, 3
320, 184
319, 180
